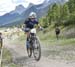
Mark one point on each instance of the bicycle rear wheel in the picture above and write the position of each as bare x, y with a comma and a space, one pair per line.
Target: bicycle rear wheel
37, 49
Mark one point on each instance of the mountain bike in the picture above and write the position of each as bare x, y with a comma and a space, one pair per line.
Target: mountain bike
34, 45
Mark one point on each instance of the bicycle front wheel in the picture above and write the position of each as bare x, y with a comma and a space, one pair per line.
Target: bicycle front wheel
37, 49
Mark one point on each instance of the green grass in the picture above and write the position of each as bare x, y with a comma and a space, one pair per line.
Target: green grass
50, 39
7, 59
6, 55
62, 42
11, 65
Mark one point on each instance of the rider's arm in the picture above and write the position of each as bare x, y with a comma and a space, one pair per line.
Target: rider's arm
26, 21
37, 25
24, 25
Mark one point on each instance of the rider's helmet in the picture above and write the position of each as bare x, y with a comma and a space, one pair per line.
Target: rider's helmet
32, 15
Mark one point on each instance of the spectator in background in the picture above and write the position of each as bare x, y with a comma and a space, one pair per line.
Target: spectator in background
1, 41
57, 31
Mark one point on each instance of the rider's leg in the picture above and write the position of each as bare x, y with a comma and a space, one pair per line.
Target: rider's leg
57, 36
27, 41
28, 34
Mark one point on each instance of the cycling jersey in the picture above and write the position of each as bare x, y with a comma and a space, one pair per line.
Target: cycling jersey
30, 24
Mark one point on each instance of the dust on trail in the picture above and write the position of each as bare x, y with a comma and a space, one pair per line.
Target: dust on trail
20, 57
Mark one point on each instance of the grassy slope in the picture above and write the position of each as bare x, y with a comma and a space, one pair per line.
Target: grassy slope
62, 49
7, 59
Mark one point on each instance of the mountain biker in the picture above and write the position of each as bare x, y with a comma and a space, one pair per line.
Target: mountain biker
30, 24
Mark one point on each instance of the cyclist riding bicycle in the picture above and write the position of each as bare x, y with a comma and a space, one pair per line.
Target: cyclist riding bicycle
30, 24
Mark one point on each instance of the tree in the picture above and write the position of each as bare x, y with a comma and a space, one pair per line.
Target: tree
65, 12
60, 14
71, 5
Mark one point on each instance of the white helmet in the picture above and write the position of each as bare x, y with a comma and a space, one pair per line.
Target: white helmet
32, 15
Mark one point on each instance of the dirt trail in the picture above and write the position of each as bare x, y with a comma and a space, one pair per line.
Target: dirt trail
20, 57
